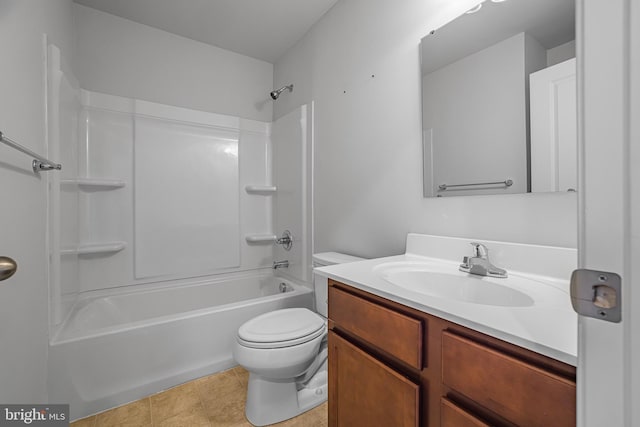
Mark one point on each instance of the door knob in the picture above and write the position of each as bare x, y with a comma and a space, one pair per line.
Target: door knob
8, 267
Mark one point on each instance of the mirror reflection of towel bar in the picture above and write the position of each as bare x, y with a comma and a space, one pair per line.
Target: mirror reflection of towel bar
506, 183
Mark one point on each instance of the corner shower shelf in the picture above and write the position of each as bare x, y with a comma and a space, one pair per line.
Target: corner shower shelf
260, 189
95, 248
260, 238
95, 184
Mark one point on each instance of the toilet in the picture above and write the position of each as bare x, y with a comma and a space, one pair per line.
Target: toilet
285, 352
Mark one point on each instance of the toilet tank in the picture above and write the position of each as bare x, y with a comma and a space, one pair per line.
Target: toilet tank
320, 282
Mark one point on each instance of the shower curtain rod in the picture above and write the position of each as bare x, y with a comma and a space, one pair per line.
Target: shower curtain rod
39, 163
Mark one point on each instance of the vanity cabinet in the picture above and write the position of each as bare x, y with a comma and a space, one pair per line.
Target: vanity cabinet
391, 365
366, 391
451, 415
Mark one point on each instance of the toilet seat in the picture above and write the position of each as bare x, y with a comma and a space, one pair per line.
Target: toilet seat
281, 328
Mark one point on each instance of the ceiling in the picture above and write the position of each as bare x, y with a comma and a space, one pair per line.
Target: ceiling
262, 29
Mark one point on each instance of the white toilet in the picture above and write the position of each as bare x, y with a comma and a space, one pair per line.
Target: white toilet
285, 352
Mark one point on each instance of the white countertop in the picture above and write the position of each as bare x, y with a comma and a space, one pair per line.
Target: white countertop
548, 326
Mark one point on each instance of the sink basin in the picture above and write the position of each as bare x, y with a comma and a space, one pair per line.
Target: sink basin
445, 281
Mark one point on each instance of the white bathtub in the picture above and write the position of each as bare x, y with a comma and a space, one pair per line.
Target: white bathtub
116, 348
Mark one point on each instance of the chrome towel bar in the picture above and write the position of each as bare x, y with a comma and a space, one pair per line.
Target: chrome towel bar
506, 183
39, 163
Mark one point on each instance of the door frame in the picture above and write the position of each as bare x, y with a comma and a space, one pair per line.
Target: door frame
608, 208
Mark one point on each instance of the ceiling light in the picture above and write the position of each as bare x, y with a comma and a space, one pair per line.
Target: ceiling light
474, 9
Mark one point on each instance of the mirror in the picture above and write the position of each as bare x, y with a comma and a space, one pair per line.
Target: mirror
499, 100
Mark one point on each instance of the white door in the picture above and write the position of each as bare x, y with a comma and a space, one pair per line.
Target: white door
23, 297
609, 209
553, 128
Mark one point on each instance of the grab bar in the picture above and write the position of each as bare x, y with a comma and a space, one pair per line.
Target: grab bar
39, 163
506, 183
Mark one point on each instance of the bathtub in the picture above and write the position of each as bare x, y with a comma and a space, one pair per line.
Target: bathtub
118, 347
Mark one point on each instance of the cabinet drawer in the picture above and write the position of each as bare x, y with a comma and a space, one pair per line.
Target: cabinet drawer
522, 393
454, 416
391, 331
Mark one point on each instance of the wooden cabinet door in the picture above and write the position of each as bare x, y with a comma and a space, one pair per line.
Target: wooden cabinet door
365, 392
454, 416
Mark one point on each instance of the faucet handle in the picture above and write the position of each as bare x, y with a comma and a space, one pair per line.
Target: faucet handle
480, 250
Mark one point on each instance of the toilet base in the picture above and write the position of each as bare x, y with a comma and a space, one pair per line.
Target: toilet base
270, 402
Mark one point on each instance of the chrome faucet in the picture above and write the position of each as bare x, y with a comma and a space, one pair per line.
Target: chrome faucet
479, 263
280, 264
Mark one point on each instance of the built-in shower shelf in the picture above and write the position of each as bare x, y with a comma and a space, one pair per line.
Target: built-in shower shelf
95, 248
260, 238
260, 189
95, 184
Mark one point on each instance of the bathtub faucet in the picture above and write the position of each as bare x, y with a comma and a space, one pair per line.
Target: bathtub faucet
280, 264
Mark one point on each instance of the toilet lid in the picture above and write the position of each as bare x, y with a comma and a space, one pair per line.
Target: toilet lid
279, 326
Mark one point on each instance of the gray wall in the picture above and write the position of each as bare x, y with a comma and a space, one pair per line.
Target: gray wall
23, 207
561, 53
360, 64
121, 57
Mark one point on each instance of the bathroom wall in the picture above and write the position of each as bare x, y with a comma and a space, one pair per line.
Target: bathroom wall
561, 53
24, 297
360, 64
121, 57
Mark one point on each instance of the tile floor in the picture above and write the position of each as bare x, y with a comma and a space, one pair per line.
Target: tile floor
216, 400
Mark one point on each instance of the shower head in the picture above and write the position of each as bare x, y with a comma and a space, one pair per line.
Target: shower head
276, 93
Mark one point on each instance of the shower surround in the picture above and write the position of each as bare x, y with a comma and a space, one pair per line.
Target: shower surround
152, 237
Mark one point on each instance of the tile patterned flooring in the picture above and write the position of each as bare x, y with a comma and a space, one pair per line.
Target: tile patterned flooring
216, 400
